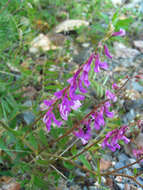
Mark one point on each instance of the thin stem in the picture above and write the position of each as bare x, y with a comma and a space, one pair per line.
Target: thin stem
63, 176
128, 176
17, 136
77, 124
127, 166
87, 148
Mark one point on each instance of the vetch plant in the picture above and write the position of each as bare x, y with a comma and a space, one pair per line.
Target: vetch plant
67, 99
71, 98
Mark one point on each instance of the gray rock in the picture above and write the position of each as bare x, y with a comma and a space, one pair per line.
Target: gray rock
92, 188
28, 117
121, 186
85, 188
135, 165
123, 158
133, 104
140, 180
128, 172
119, 165
129, 116
79, 173
82, 56
137, 86
28, 103
121, 51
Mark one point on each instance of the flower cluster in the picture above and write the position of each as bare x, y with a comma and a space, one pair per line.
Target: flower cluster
68, 99
138, 152
98, 118
112, 138
84, 133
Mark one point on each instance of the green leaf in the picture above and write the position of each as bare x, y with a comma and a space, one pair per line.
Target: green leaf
84, 161
74, 150
33, 141
42, 136
98, 171
68, 165
39, 182
124, 23
43, 162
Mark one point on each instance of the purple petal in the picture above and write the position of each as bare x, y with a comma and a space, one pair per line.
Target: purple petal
58, 123
60, 93
106, 51
48, 124
103, 65
74, 96
125, 139
114, 86
86, 67
111, 96
83, 90
97, 62
109, 114
84, 78
121, 32
76, 105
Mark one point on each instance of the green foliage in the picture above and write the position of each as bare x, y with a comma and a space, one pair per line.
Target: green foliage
26, 150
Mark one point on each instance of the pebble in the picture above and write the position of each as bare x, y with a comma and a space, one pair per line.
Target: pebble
123, 158
135, 165
28, 117
119, 165
121, 186
85, 188
140, 180
92, 188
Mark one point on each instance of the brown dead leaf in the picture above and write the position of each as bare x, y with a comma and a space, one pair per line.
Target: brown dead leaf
14, 186
5, 179
29, 92
105, 164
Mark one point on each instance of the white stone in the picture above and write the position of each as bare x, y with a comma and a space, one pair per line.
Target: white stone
41, 42
69, 25
122, 51
139, 45
117, 2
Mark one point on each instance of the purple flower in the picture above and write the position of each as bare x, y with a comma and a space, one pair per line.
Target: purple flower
86, 67
66, 106
81, 88
73, 80
112, 138
73, 87
106, 51
76, 105
106, 110
73, 95
84, 75
48, 117
99, 64
138, 153
47, 104
98, 119
121, 32
60, 93
103, 65
115, 86
111, 96
84, 133
84, 78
